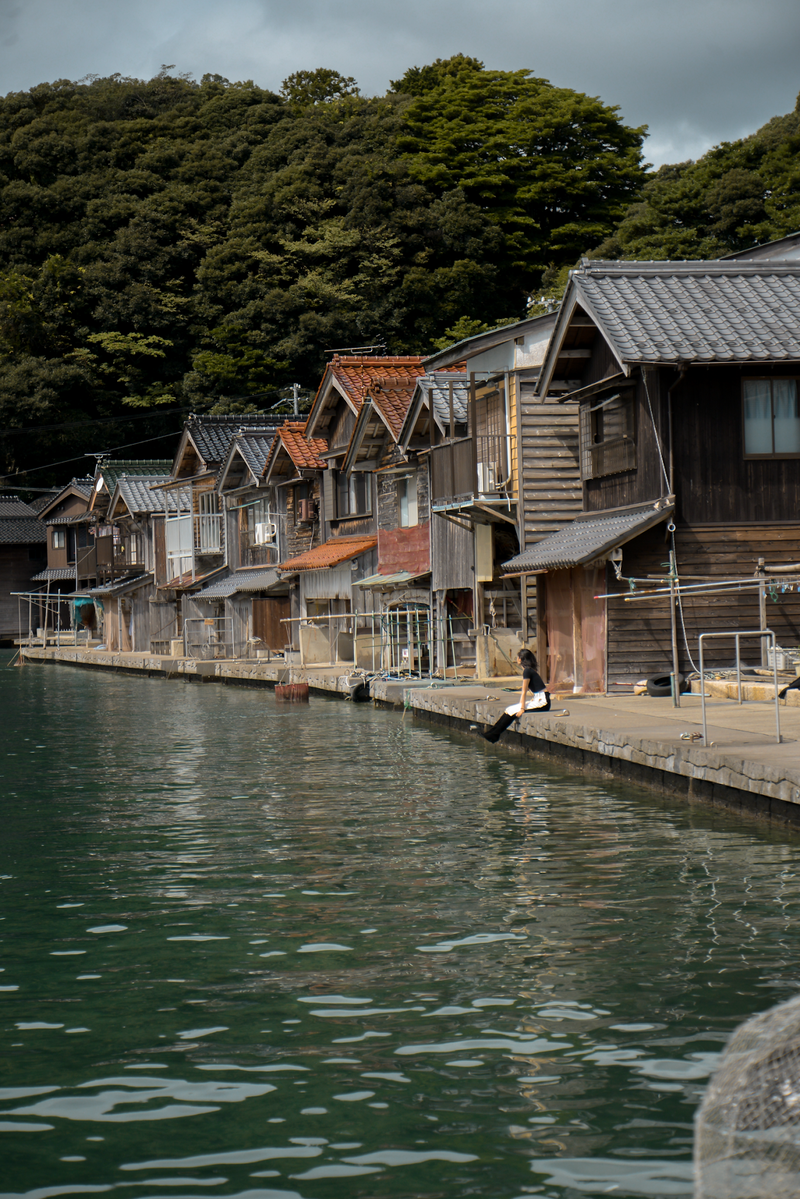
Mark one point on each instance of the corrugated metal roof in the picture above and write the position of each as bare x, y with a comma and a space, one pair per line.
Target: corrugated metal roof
590, 536
121, 586
21, 531
731, 311
394, 580
332, 552
242, 581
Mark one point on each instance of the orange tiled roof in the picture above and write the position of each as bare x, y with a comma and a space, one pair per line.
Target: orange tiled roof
357, 376
304, 452
332, 552
393, 397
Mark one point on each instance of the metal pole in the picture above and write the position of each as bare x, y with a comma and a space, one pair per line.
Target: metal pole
762, 610
703, 689
676, 690
738, 668
775, 680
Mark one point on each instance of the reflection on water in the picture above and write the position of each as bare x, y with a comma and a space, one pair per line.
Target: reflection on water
272, 952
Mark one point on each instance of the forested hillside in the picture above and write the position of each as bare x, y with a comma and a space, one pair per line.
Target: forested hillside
172, 243
739, 194
168, 245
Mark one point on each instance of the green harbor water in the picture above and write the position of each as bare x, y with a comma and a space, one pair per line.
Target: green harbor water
262, 951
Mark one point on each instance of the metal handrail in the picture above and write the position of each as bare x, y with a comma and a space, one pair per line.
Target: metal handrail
737, 637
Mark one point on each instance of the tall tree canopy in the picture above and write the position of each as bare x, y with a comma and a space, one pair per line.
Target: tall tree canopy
168, 243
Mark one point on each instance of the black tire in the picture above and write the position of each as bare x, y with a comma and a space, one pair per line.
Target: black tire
659, 685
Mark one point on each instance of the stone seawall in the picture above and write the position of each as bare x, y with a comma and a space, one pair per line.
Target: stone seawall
639, 740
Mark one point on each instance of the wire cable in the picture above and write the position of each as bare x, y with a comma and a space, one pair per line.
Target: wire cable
113, 449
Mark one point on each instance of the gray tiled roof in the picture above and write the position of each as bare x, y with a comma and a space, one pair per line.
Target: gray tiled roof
590, 536
731, 311
439, 391
242, 580
11, 505
212, 434
54, 573
254, 448
113, 470
139, 498
21, 531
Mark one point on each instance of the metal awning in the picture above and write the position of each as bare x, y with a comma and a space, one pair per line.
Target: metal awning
398, 579
243, 580
590, 536
121, 586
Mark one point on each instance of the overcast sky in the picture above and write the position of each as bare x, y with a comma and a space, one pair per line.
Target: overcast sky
696, 71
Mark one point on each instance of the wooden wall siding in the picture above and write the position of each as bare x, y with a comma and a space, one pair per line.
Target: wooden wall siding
714, 481
646, 482
451, 555
551, 484
299, 536
601, 364
163, 620
639, 636
267, 616
342, 424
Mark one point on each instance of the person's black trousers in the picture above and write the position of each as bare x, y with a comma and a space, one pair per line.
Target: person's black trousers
506, 720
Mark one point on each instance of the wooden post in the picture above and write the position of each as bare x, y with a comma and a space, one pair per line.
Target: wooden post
577, 638
676, 697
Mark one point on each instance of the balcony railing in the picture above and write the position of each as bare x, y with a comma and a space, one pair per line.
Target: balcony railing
209, 533
470, 467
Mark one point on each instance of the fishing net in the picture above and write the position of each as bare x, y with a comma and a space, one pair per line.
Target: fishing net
747, 1134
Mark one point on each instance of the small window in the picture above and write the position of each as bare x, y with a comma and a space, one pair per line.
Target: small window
608, 441
771, 418
407, 502
353, 494
59, 539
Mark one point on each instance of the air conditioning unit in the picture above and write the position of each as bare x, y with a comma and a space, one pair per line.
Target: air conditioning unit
306, 511
487, 477
266, 532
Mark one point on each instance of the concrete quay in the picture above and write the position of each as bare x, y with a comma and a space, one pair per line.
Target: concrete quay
628, 738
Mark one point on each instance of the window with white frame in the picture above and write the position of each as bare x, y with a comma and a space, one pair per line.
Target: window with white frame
770, 418
59, 539
407, 501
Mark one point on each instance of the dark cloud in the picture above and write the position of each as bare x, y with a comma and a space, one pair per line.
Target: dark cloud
696, 71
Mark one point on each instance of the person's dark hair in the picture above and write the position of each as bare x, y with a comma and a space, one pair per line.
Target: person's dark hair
527, 659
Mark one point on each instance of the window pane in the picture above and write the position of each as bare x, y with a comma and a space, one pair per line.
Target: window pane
786, 416
757, 417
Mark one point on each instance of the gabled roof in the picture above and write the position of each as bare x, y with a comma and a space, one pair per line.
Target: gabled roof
436, 387
381, 417
137, 496
332, 553
682, 312
205, 441
591, 535
479, 343
81, 488
297, 451
253, 450
783, 247
352, 378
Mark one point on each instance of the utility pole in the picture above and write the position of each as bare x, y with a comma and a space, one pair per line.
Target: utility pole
295, 394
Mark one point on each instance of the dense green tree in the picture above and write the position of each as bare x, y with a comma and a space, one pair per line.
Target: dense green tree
168, 243
737, 195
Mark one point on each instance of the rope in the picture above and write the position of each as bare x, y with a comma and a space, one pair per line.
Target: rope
671, 527
655, 431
